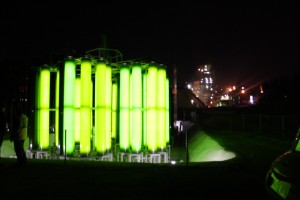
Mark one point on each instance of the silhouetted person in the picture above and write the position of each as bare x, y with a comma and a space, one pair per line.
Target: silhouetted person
19, 134
2, 126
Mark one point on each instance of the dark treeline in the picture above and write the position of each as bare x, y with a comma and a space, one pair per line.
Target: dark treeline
281, 95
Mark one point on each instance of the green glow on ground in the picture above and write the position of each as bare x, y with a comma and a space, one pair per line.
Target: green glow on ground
203, 148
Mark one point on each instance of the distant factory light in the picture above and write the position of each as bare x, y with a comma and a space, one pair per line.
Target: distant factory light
225, 97
261, 90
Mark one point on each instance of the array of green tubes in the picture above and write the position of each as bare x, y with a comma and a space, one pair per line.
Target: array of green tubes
97, 108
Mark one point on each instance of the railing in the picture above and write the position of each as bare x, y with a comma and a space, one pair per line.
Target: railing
247, 121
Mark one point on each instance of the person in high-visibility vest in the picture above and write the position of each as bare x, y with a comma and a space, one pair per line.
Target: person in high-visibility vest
19, 134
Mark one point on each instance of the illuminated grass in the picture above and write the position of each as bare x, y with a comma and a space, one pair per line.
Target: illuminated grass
203, 148
7, 149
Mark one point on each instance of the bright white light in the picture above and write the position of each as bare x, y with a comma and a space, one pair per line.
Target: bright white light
173, 162
225, 97
251, 99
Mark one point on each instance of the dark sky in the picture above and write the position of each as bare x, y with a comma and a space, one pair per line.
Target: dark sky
242, 44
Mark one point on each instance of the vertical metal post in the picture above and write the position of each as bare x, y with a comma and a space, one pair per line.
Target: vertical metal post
187, 149
169, 153
186, 142
65, 147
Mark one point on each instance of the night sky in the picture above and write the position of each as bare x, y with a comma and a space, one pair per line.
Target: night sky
242, 44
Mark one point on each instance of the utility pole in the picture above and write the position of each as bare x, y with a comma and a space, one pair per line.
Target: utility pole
186, 142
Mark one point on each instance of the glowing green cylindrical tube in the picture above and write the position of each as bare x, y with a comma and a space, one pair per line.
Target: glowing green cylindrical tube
100, 110
114, 110
108, 101
137, 103
167, 112
124, 107
145, 108
152, 108
69, 104
130, 110
57, 109
44, 122
85, 132
85, 106
161, 108
92, 113
77, 110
